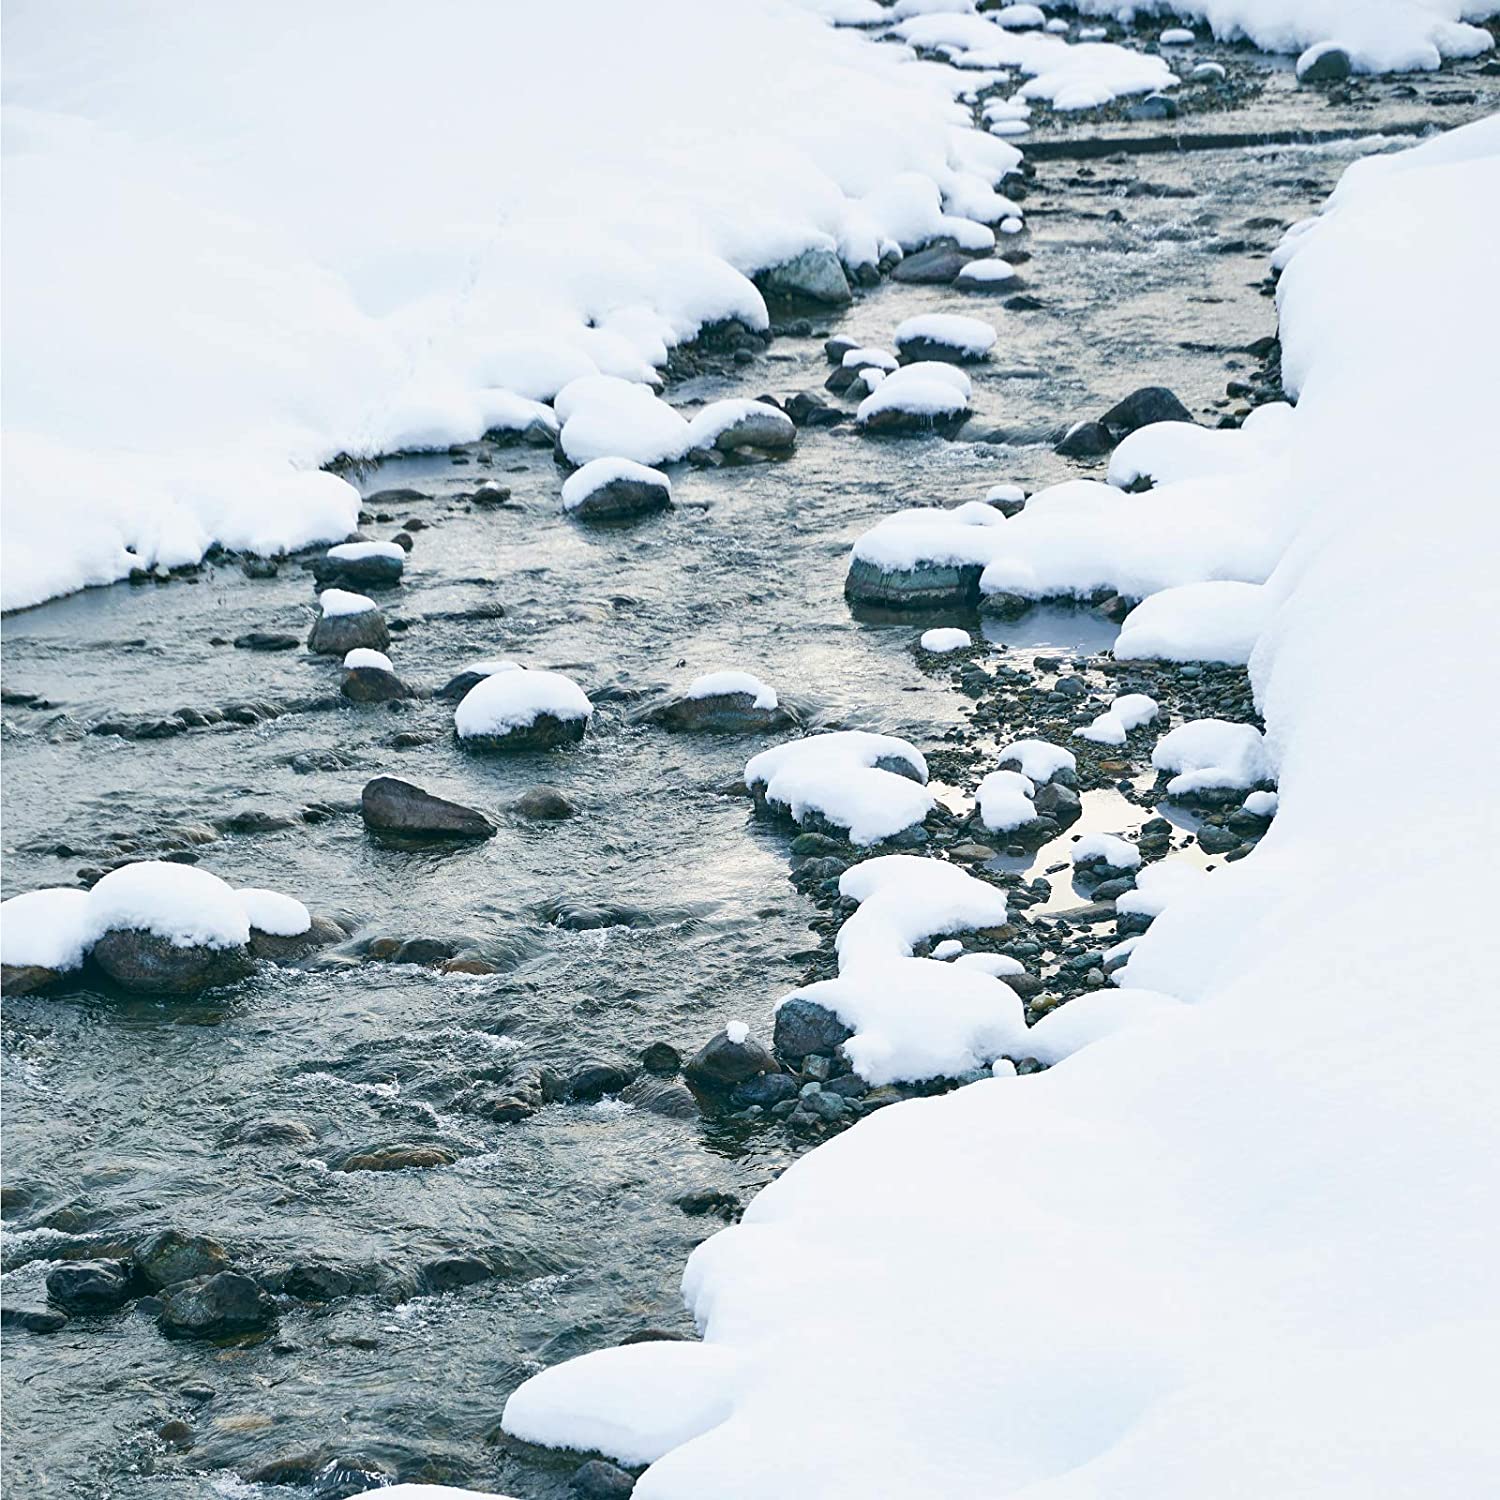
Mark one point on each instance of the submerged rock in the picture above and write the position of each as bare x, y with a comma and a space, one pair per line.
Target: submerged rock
223, 1305
398, 1158
544, 804
153, 965
26, 979
814, 276
170, 1256
389, 805
89, 1286
596, 1079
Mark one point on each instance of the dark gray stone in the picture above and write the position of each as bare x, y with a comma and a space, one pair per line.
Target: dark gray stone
1058, 802
338, 635
398, 1158
765, 1089
372, 685
1085, 440
545, 732
33, 1319
598, 1480
358, 573
596, 1079
929, 586
722, 713
1152, 403
544, 804
152, 965
170, 1256
937, 265
390, 805
804, 1027
220, 1306
88, 1286
1326, 67
25, 979
814, 276
720, 1063
619, 498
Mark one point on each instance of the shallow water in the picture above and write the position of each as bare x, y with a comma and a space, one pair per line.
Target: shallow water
120, 1114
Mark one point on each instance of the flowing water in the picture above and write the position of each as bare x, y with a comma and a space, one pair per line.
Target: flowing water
659, 913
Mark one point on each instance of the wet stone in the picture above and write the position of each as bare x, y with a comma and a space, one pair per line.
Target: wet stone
804, 1027
89, 1286
170, 1256
32, 1318
399, 1158
544, 804
390, 805
722, 1063
151, 965
598, 1480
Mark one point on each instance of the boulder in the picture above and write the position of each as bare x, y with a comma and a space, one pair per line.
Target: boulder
544, 804
804, 1028
814, 276
398, 1158
150, 965
937, 265
760, 426
662, 1059
1085, 440
89, 1286
170, 1256
338, 635
722, 1062
389, 805
614, 489
223, 1305
25, 979
1152, 403
372, 685
545, 732
277, 948
765, 1090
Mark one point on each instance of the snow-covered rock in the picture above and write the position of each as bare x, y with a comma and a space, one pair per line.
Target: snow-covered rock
1216, 621
43, 934
923, 558
949, 337
1128, 711
988, 276
1212, 759
727, 702
1107, 851
729, 426
361, 565
345, 623
1041, 761
904, 900
1004, 800
867, 786
522, 711
919, 398
611, 418
609, 489
940, 641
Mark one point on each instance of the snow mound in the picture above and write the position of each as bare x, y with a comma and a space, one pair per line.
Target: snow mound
998, 964
1218, 621
1108, 849
611, 418
1004, 801
719, 684
966, 338
841, 777
188, 907
1127, 712
363, 551
986, 273
632, 1404
363, 656
508, 700
866, 359
1262, 804
1211, 755
943, 640
904, 900
917, 390
336, 603
50, 929
273, 913
1038, 760
587, 481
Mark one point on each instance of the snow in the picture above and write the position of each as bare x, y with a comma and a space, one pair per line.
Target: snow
737, 1032
941, 640
598, 472
863, 359
1210, 755
1218, 621
998, 964
1004, 801
362, 551
49, 929
986, 273
717, 684
910, 538
837, 776
511, 700
207, 314
1009, 493
273, 913
363, 656
632, 1404
1158, 886
188, 907
1262, 804
335, 602
1108, 848
719, 416
1176, 36
971, 337
1127, 712
1381, 36
1240, 1243
424, 1492
1039, 760
905, 899
949, 948
916, 388
609, 418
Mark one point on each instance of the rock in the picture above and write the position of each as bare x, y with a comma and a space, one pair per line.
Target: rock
835, 349
32, 1318
169, 1256
338, 635
932, 585
276, 1132
1325, 66
1152, 403
596, 1079
265, 640
491, 494
1058, 802
813, 276
457, 688
719, 713
804, 1027
219, 1306
89, 1286
709, 1201
662, 1059
467, 966
760, 426
320, 1281
809, 410
765, 1090
372, 685
366, 568
1152, 107
1217, 840
598, 1480
398, 1158
721, 1063
389, 805
25, 979
937, 265
1085, 440
636, 493
544, 804
150, 965
427, 951
277, 949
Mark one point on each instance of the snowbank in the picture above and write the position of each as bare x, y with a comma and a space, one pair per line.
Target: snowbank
1380, 36
1211, 755
1195, 622
224, 267
1244, 1243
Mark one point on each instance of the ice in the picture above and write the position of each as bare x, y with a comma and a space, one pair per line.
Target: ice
1039, 760
971, 337
336, 602
50, 929
598, 472
273, 913
941, 640
905, 899
716, 684
1212, 755
188, 907
1381, 36
632, 1404
1218, 621
363, 656
1004, 800
838, 777
509, 700
1110, 848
